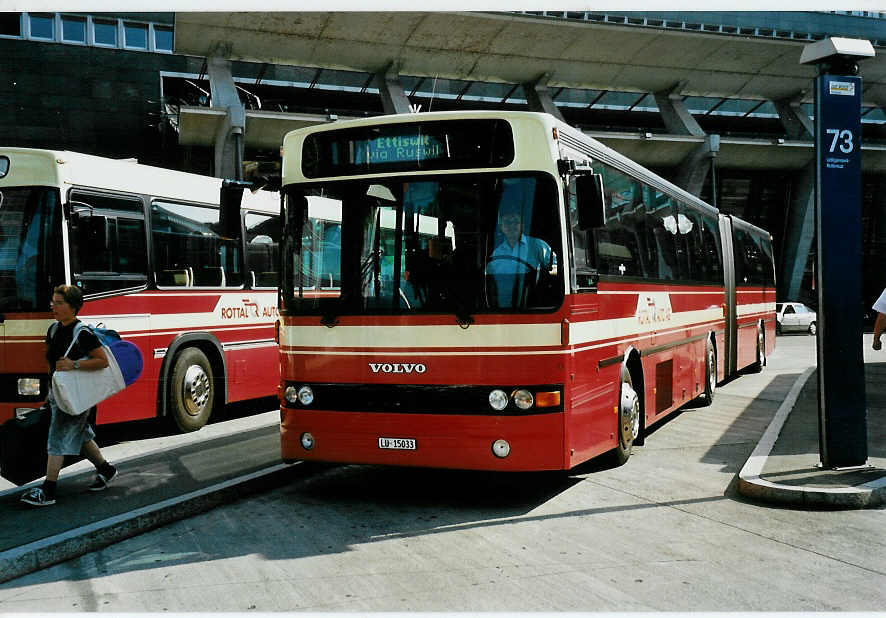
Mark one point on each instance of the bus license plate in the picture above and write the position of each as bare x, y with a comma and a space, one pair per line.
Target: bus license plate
400, 444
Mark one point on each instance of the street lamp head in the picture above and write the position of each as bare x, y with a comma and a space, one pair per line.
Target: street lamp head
837, 55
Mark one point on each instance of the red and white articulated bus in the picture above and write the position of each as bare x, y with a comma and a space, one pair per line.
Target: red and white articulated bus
192, 284
496, 290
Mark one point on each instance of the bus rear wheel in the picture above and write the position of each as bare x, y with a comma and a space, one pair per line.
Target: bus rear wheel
710, 380
191, 390
628, 418
760, 360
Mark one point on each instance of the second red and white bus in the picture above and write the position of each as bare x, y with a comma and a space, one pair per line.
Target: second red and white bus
192, 284
622, 298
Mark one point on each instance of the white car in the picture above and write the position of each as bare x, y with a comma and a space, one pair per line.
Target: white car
792, 317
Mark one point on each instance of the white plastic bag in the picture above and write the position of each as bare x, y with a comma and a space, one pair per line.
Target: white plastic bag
77, 391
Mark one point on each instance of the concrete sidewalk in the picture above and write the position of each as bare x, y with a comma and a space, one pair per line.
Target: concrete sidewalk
162, 480
785, 467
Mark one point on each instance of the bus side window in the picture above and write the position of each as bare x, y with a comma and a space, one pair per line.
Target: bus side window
713, 252
661, 234
752, 264
263, 249
108, 243
702, 251
189, 239
619, 247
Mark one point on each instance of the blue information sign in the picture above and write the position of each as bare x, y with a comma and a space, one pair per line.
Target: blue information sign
842, 406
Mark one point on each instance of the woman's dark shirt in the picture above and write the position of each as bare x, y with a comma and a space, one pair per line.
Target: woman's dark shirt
59, 342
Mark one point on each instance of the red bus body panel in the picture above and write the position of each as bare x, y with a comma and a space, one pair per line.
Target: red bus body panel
585, 345
238, 325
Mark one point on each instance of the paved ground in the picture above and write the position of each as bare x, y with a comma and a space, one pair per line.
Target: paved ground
786, 467
167, 478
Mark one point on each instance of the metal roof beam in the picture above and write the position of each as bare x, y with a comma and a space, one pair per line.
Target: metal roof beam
539, 98
393, 97
796, 123
676, 115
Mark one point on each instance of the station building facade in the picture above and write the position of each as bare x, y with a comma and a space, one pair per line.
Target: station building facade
111, 84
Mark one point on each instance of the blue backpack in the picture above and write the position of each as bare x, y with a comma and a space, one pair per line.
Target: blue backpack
127, 355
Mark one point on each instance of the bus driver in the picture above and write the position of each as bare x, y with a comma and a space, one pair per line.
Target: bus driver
517, 260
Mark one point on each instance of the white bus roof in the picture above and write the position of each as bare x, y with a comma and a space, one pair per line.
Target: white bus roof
65, 169
528, 153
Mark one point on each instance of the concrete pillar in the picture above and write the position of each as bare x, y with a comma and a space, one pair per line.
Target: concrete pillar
393, 97
799, 232
800, 218
230, 135
676, 116
693, 170
539, 97
796, 123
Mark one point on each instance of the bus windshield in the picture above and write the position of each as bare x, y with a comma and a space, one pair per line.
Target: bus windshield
459, 244
29, 246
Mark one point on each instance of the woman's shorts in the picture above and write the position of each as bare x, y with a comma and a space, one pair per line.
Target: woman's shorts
67, 434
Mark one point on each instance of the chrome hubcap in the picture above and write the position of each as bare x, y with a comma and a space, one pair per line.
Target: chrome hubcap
195, 390
630, 414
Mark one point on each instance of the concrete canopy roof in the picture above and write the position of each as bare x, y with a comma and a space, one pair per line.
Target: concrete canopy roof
502, 47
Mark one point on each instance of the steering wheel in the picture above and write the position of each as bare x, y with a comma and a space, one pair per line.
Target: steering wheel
529, 267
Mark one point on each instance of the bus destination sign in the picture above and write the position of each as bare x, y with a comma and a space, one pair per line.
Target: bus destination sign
408, 146
399, 148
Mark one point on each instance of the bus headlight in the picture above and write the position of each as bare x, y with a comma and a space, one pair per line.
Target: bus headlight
501, 448
291, 394
523, 399
303, 395
306, 395
307, 441
498, 399
29, 386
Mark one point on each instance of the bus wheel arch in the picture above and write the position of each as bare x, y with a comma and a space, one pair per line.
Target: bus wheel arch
192, 384
630, 423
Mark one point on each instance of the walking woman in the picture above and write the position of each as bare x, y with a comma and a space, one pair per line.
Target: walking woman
70, 435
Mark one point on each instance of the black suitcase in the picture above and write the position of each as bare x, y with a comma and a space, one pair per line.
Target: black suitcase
23, 447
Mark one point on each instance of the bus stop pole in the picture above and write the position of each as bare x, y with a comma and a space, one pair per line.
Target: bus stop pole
841, 381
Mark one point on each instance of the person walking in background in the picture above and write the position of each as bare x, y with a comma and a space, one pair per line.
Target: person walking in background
880, 322
70, 435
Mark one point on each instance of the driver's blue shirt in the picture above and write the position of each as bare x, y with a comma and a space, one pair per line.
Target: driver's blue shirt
533, 251
530, 254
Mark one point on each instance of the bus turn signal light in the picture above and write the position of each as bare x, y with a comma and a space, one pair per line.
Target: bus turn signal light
550, 399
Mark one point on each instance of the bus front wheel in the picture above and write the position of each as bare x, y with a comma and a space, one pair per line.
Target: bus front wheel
628, 418
191, 390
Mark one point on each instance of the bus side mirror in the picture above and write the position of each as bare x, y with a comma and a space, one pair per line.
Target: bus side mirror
229, 199
590, 201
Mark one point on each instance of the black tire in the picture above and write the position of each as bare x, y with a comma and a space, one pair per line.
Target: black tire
758, 365
710, 377
813, 328
190, 390
778, 328
628, 418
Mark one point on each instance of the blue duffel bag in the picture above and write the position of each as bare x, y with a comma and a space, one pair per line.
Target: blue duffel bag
128, 356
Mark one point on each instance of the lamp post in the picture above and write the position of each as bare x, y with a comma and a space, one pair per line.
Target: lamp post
841, 387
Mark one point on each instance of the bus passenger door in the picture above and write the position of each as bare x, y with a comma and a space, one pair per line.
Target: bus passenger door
109, 263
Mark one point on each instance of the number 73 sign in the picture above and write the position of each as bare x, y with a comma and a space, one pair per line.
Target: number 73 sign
843, 429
